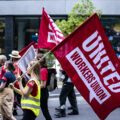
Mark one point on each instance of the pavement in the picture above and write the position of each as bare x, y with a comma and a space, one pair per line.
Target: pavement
85, 111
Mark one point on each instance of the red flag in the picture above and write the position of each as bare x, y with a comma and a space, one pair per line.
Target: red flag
49, 33
26, 48
89, 60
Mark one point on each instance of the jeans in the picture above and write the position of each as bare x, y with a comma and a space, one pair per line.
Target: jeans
68, 91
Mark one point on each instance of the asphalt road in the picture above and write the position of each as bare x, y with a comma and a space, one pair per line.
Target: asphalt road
85, 111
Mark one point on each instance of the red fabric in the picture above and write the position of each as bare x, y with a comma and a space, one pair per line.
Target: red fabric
44, 74
4, 78
2, 72
90, 61
17, 71
16, 85
33, 85
49, 33
22, 52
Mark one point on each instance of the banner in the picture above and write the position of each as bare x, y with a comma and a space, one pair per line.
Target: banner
26, 58
22, 52
49, 33
90, 61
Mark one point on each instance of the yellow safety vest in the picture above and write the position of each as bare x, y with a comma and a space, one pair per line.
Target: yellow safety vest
32, 102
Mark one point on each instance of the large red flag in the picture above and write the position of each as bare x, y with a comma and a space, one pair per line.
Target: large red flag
49, 33
89, 60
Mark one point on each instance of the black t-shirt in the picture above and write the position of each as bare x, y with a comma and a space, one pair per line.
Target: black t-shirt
8, 77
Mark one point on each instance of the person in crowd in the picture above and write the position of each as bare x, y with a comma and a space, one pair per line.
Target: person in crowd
3, 59
44, 90
30, 101
14, 57
6, 94
67, 91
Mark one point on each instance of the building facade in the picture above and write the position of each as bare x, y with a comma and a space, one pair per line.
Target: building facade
20, 19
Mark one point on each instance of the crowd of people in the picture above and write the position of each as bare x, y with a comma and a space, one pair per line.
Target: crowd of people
30, 94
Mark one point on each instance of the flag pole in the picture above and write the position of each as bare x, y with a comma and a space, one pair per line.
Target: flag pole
34, 65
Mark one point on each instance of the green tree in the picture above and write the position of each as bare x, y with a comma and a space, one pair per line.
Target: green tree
78, 14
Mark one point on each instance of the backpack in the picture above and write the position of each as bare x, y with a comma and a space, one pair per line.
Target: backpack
52, 80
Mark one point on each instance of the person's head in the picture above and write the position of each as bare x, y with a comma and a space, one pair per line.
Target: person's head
36, 69
14, 55
9, 66
3, 58
43, 60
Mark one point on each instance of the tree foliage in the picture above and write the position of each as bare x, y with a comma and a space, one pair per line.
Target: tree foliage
78, 14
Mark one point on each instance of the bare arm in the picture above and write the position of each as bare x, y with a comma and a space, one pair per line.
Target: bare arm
25, 92
15, 89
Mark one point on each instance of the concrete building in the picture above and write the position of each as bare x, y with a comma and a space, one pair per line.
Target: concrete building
20, 19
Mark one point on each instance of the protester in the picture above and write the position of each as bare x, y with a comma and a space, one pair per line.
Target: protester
67, 91
3, 58
6, 94
14, 57
44, 90
30, 101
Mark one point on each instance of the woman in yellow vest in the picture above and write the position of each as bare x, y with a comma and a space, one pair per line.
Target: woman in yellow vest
30, 101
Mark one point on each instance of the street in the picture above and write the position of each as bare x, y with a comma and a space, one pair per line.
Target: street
85, 111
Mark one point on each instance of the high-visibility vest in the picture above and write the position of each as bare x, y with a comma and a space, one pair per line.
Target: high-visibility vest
32, 102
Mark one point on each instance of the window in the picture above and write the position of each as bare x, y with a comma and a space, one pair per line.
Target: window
2, 35
111, 26
26, 30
